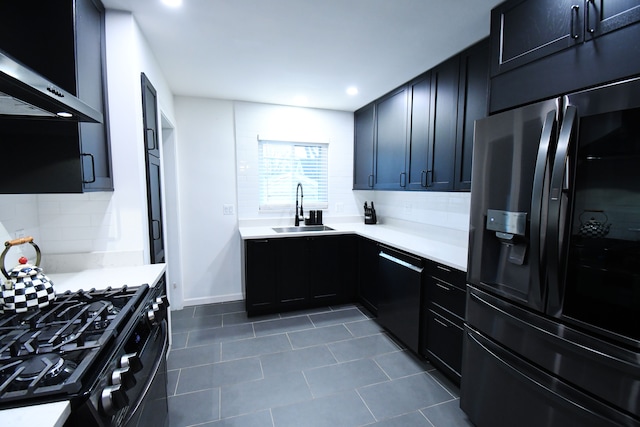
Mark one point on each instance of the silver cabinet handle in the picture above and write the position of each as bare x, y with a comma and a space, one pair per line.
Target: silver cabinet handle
575, 10
438, 284
401, 262
440, 322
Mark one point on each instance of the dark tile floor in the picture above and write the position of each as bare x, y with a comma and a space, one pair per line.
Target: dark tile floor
324, 367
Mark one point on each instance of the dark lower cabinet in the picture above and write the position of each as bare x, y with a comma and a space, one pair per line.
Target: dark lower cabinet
260, 275
332, 269
443, 312
294, 273
368, 274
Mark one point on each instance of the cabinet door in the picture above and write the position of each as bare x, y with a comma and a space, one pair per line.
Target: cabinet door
153, 181
473, 104
391, 141
96, 154
292, 257
368, 274
418, 152
363, 148
260, 276
331, 269
526, 30
604, 16
442, 132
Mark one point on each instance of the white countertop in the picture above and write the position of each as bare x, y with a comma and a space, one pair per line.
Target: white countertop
446, 246
55, 414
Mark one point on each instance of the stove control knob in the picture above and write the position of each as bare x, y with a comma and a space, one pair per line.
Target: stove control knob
131, 361
151, 315
113, 399
124, 377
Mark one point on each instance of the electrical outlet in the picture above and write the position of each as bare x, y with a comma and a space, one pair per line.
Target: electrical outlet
227, 209
20, 233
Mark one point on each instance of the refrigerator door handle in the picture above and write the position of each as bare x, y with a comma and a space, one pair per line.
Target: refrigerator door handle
540, 184
558, 204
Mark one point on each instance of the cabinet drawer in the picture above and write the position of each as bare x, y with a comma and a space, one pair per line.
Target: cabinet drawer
449, 275
447, 296
444, 340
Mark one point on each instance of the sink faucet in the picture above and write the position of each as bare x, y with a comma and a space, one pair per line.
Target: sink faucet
300, 213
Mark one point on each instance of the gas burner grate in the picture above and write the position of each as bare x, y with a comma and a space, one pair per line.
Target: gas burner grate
50, 350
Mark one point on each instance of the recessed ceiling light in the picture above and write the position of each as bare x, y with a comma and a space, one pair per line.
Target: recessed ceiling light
64, 114
352, 90
172, 3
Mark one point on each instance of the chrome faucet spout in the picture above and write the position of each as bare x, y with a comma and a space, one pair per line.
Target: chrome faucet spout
299, 213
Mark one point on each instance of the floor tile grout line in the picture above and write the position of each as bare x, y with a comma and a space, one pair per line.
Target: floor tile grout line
366, 405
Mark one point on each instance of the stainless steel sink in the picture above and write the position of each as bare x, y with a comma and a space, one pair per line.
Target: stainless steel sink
302, 229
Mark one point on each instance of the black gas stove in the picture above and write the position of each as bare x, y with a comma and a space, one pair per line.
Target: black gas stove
88, 347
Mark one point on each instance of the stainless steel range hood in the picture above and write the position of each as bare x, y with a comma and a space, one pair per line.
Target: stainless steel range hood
25, 93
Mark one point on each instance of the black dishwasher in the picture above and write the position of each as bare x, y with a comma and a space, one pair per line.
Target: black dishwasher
400, 276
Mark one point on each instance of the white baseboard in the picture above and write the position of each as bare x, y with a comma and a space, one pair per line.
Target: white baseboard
212, 300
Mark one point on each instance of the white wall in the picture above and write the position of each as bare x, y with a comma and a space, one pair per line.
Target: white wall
283, 123
210, 243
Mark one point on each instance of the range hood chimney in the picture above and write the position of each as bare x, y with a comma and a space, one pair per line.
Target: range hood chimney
25, 93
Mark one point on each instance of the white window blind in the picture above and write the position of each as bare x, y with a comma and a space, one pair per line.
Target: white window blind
282, 165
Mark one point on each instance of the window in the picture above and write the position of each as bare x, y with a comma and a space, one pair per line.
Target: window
282, 165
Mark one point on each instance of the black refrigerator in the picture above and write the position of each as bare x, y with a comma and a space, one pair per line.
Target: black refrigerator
552, 333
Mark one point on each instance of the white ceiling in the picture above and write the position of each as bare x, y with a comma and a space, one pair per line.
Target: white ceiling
272, 51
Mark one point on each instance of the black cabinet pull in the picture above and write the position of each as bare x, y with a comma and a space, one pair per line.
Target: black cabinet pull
575, 10
93, 169
158, 227
403, 179
371, 180
429, 172
153, 145
423, 178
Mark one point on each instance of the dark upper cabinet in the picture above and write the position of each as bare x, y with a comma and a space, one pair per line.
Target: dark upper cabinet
442, 129
363, 148
604, 16
391, 141
526, 30
473, 104
420, 119
546, 48
68, 157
